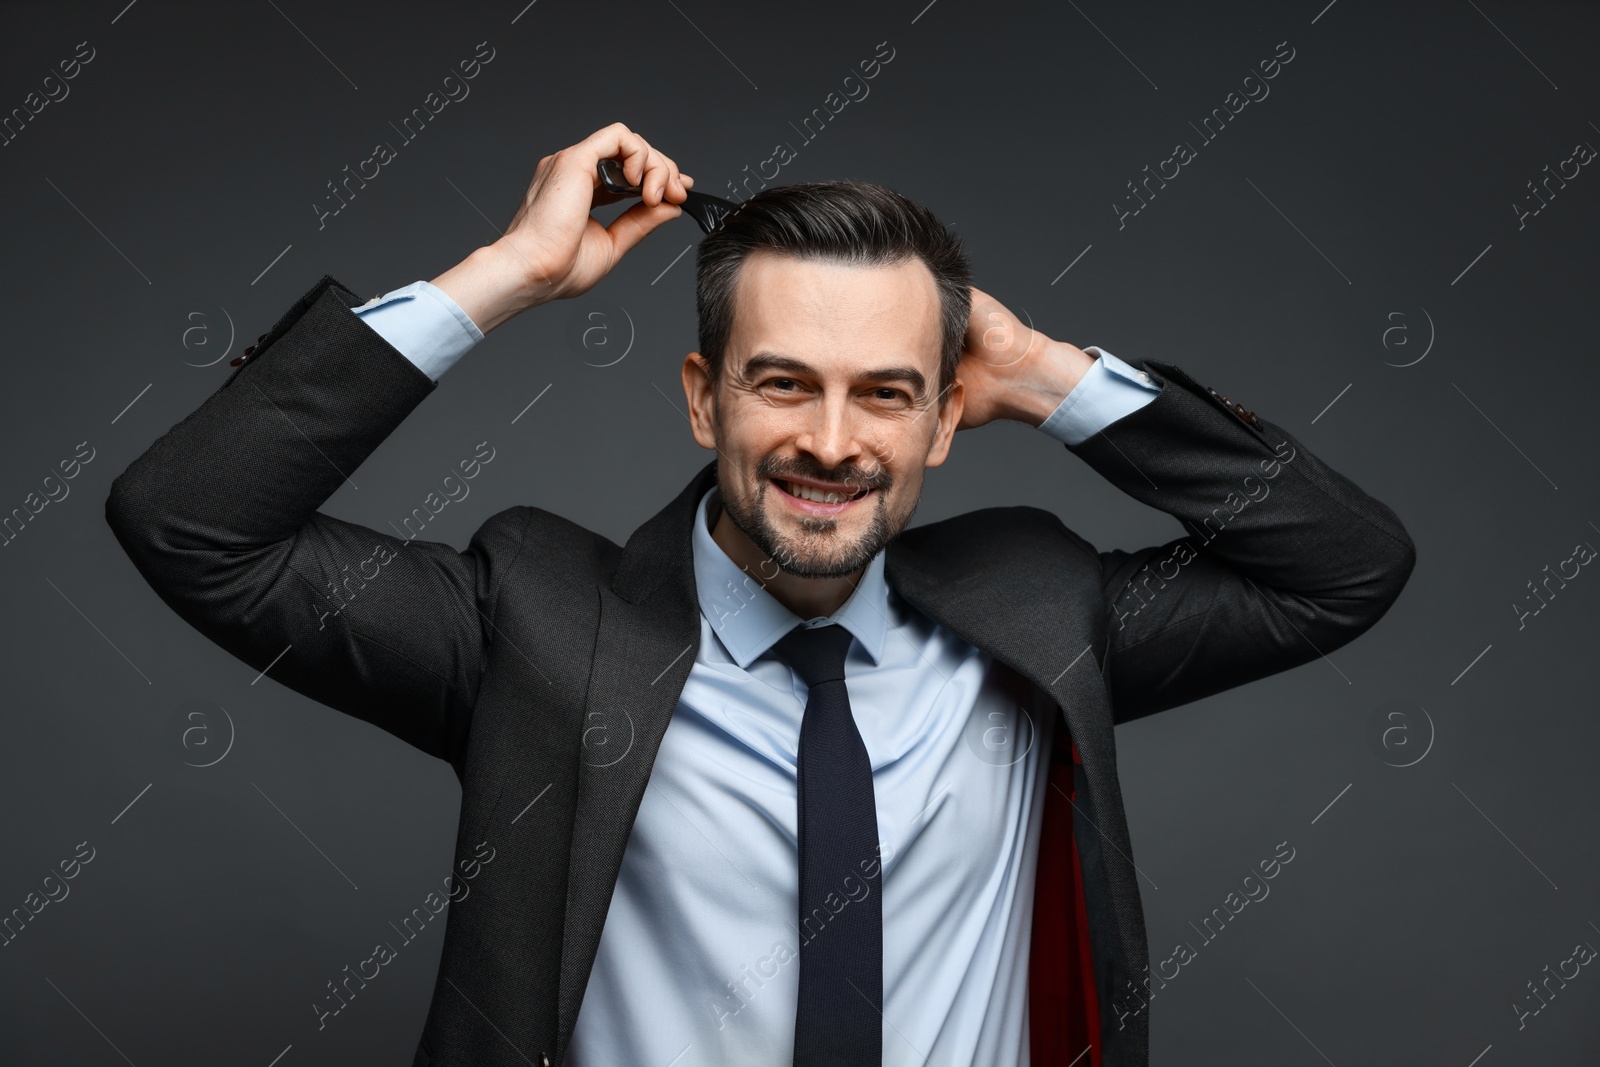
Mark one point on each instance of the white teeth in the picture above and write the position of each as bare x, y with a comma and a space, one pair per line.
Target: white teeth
818, 496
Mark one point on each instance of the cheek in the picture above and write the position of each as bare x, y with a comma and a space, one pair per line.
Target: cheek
756, 432
902, 449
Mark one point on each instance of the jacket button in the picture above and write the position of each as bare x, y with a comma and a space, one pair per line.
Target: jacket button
1244, 414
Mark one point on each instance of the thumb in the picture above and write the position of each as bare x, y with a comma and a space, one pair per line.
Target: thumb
636, 223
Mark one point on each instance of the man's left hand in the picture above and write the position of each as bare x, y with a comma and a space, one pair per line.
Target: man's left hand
1009, 370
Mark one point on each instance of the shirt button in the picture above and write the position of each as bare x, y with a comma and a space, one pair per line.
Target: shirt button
1143, 377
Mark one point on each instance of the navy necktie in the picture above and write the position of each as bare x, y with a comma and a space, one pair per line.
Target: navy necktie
839, 1016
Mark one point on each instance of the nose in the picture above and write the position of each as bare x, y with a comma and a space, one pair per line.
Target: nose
832, 434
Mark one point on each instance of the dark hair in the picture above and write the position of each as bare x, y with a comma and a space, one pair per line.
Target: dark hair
850, 221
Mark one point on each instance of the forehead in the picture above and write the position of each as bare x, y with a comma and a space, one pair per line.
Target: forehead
829, 312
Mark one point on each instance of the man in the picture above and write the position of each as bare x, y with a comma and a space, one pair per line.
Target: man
854, 798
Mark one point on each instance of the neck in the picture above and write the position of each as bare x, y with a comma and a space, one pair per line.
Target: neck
808, 598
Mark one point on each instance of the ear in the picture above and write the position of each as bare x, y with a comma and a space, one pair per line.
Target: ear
700, 393
949, 418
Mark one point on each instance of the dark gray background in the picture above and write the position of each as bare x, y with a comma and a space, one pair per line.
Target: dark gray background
1384, 163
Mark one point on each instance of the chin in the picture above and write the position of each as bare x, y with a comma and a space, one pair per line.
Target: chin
809, 564
823, 548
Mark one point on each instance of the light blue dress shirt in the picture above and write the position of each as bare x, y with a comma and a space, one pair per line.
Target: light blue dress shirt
698, 964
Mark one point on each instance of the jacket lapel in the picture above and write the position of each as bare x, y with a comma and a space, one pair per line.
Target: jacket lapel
648, 638
987, 577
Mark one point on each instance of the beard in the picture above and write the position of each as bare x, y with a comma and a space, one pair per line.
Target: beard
820, 550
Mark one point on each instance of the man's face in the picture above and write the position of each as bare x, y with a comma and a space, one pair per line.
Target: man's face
829, 384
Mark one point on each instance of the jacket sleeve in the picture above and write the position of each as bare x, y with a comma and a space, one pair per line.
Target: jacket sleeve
1285, 559
220, 516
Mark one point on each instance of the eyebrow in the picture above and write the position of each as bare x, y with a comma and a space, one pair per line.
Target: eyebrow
771, 361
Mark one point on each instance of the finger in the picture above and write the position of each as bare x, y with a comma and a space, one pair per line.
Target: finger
636, 223
661, 178
670, 185
651, 183
617, 142
641, 163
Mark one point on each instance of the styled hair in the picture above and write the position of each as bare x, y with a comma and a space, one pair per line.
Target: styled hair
847, 221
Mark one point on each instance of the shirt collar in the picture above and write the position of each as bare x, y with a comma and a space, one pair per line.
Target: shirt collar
749, 620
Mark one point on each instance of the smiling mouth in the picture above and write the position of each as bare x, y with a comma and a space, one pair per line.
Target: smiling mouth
814, 495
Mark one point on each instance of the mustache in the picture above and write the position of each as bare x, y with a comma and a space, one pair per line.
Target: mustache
850, 477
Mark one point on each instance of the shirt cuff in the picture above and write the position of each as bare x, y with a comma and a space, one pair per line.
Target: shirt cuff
423, 324
1108, 390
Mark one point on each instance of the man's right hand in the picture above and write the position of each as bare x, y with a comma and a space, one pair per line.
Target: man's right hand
553, 248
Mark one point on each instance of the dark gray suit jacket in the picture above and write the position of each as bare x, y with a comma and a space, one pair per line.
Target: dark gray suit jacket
501, 659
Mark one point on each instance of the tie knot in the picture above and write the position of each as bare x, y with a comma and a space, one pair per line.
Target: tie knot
815, 652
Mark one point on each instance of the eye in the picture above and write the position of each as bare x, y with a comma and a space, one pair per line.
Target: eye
893, 393
782, 385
